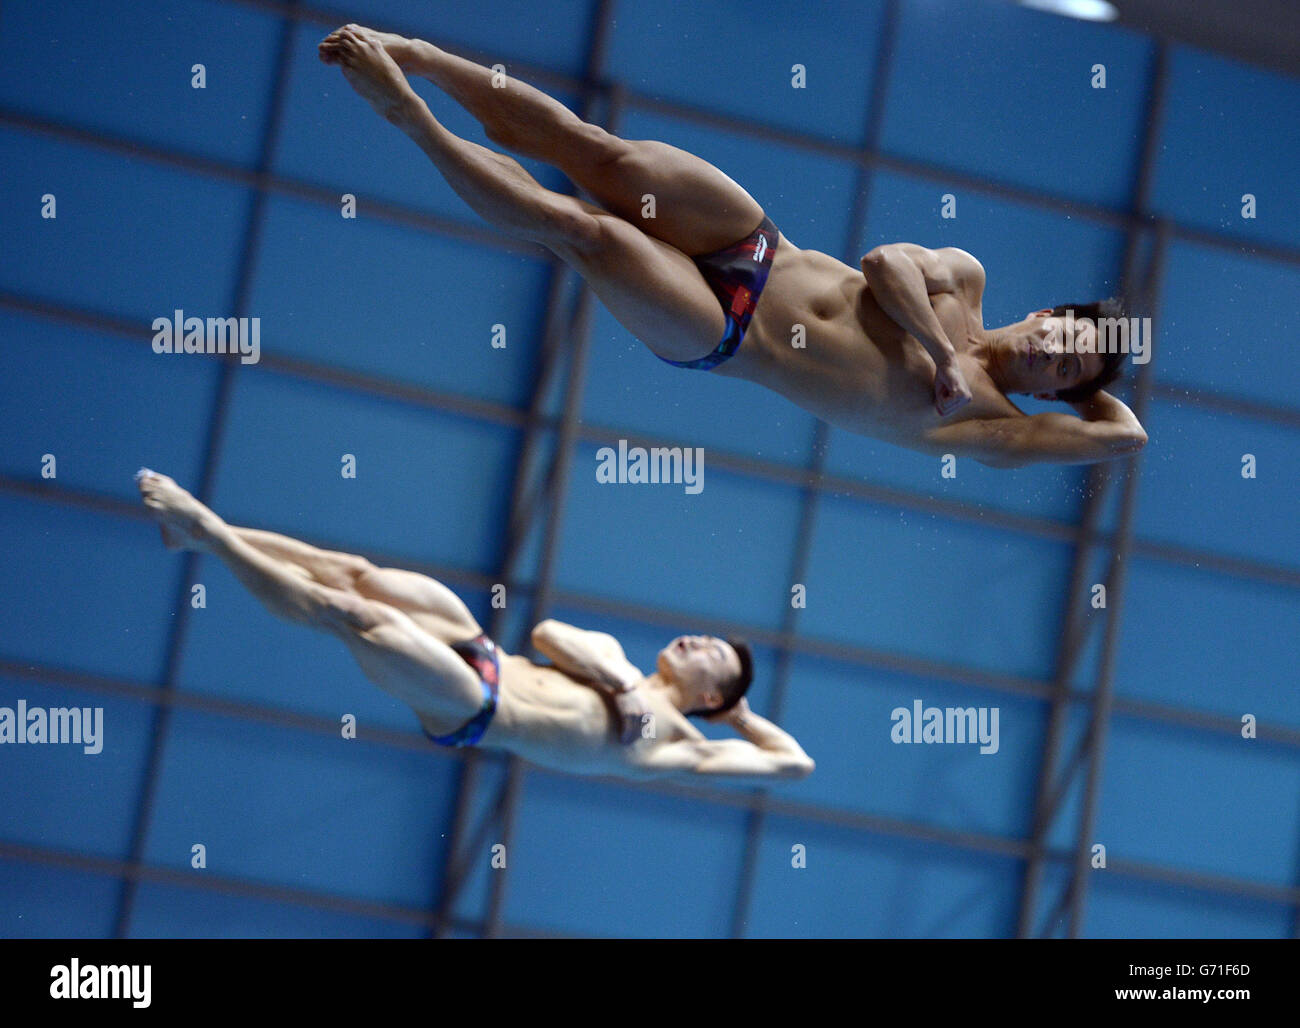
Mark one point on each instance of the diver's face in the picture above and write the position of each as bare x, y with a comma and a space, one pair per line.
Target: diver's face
1040, 358
699, 665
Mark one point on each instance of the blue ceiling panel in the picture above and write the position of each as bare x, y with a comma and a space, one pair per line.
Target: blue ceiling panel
740, 59
1194, 490
698, 566
1222, 653
428, 486
344, 817
1007, 93
398, 304
1223, 317
1050, 491
585, 851
1223, 140
1175, 784
131, 75
1127, 908
125, 582
130, 238
331, 137
555, 35
630, 390
45, 902
857, 885
174, 912
844, 717
134, 407
106, 770
890, 580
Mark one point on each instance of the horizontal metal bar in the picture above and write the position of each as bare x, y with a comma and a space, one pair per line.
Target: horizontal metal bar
1221, 403
211, 881
747, 801
674, 620
473, 233
742, 464
808, 143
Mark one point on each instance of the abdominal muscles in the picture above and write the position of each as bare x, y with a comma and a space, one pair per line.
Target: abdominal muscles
552, 720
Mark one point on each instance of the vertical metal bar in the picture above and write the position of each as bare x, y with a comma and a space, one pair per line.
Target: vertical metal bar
545, 582
756, 819
211, 458
518, 519
556, 482
1053, 780
1103, 695
1067, 658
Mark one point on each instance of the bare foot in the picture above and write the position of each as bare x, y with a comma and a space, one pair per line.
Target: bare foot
180, 517
399, 48
360, 55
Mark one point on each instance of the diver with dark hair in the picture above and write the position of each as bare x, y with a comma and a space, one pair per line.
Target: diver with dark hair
590, 710
691, 265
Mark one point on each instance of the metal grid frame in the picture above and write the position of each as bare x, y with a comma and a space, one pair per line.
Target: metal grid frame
539, 493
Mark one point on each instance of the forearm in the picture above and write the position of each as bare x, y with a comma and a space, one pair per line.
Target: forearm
1101, 406
569, 649
899, 286
764, 734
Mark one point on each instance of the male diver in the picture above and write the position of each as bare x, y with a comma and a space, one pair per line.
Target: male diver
589, 711
895, 349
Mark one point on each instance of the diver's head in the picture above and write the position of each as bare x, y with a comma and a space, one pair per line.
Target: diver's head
1062, 353
709, 674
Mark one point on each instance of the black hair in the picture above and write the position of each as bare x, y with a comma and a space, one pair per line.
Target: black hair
1112, 363
738, 686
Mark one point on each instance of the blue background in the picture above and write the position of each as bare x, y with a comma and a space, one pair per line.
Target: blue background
375, 335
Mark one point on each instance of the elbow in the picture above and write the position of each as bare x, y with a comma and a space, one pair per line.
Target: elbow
800, 768
875, 262
1132, 442
541, 632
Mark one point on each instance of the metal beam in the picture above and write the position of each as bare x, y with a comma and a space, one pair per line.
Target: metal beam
212, 882
525, 497
946, 838
672, 620
742, 464
1071, 646
543, 595
1103, 694
856, 225
1056, 776
1103, 691
871, 156
211, 457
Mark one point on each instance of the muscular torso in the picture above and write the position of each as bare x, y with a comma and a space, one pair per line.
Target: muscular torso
858, 370
551, 719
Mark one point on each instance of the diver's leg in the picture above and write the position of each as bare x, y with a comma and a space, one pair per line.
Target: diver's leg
432, 605
391, 649
697, 208
652, 288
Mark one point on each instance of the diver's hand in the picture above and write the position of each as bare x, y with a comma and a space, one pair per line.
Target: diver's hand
632, 713
732, 714
951, 393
